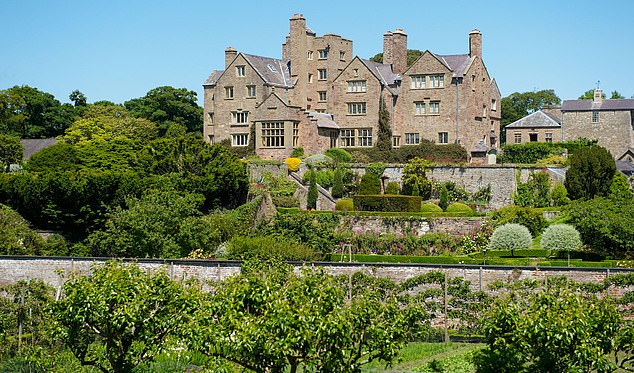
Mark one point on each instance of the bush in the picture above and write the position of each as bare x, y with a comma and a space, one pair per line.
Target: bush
540, 151
561, 237
459, 207
590, 174
552, 160
559, 195
370, 184
293, 164
444, 203
535, 192
375, 168
344, 205
313, 193
415, 177
285, 201
337, 183
620, 188
387, 203
266, 247
510, 237
392, 188
339, 155
430, 207
297, 152
532, 219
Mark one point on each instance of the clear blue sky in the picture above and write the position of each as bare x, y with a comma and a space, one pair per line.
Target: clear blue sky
117, 50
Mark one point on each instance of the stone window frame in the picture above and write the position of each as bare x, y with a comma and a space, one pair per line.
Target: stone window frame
412, 138
436, 80
251, 91
357, 108
494, 104
434, 107
347, 137
229, 92
517, 138
239, 117
295, 134
396, 141
210, 115
239, 139
310, 78
420, 108
310, 55
323, 53
548, 137
323, 96
443, 137
418, 81
342, 56
240, 71
365, 137
272, 134
322, 74
357, 86
595, 116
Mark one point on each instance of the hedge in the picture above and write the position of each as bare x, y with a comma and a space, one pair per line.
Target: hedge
387, 202
519, 253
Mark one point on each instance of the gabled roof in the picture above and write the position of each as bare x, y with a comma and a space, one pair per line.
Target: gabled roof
538, 119
324, 120
32, 146
588, 105
273, 71
625, 167
382, 71
457, 63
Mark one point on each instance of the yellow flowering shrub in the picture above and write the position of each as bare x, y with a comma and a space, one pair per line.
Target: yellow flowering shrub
293, 164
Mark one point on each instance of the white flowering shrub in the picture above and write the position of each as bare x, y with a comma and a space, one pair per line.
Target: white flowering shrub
510, 236
561, 237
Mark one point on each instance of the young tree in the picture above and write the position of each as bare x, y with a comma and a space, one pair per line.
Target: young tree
120, 316
313, 193
415, 175
10, 151
337, 185
384, 141
590, 174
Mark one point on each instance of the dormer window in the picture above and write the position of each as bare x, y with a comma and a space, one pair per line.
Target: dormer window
240, 71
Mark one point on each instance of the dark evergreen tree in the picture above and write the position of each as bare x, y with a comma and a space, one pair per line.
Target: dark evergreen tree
590, 174
313, 194
337, 187
384, 141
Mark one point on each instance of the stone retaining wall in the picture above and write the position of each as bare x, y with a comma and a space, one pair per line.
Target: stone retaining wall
408, 225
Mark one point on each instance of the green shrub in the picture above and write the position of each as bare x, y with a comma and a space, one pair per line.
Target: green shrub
376, 168
344, 205
561, 237
370, 184
483, 194
620, 188
392, 188
265, 247
297, 152
444, 198
387, 203
441, 153
459, 207
535, 192
531, 218
590, 174
415, 190
337, 183
559, 195
285, 201
339, 155
313, 193
430, 207
510, 236
535, 151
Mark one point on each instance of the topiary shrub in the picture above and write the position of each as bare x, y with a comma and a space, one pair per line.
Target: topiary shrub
430, 207
510, 237
370, 184
293, 164
313, 193
339, 155
375, 168
344, 205
392, 188
265, 247
337, 183
561, 237
559, 195
459, 207
387, 203
532, 219
285, 201
444, 198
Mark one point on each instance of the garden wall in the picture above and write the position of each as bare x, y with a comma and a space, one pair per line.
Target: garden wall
55, 270
408, 225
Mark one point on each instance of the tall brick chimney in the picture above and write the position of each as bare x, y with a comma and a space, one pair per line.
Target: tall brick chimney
395, 50
598, 95
387, 48
297, 47
230, 55
475, 43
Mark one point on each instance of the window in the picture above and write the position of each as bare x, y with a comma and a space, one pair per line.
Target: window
333, 139
323, 74
434, 107
295, 134
412, 139
436, 81
518, 138
342, 55
310, 78
322, 95
272, 134
418, 81
250, 91
549, 137
240, 117
494, 104
357, 86
443, 137
365, 136
595, 116
419, 108
240, 139
396, 141
240, 70
228, 92
356, 108
346, 138
211, 118
323, 53
532, 137
211, 139
310, 55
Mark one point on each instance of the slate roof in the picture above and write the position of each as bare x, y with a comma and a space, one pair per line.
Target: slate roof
324, 120
32, 146
273, 71
538, 119
213, 77
382, 71
625, 167
588, 105
455, 62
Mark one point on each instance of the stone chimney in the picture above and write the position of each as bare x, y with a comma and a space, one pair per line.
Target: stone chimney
230, 55
475, 43
297, 48
598, 96
395, 50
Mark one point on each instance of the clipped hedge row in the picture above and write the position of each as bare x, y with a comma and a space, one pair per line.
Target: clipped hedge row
519, 253
387, 202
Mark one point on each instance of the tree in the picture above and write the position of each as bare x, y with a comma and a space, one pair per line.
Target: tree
120, 316
589, 95
337, 185
16, 237
166, 105
590, 174
551, 330
78, 98
270, 318
370, 184
313, 193
384, 141
414, 174
412, 56
535, 192
518, 105
10, 151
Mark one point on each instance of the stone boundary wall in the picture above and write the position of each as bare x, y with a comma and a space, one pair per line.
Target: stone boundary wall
409, 225
55, 270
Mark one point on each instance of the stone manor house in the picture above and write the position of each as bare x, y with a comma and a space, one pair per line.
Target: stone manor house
319, 96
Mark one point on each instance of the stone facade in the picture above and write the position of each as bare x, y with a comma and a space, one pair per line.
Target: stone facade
540, 126
318, 74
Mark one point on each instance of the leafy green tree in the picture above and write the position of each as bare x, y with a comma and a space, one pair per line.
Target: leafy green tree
120, 316
78, 98
167, 105
559, 195
104, 128
16, 237
384, 140
590, 174
10, 151
620, 188
415, 174
370, 184
337, 186
58, 157
551, 330
412, 56
313, 193
444, 198
518, 105
589, 95
535, 192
